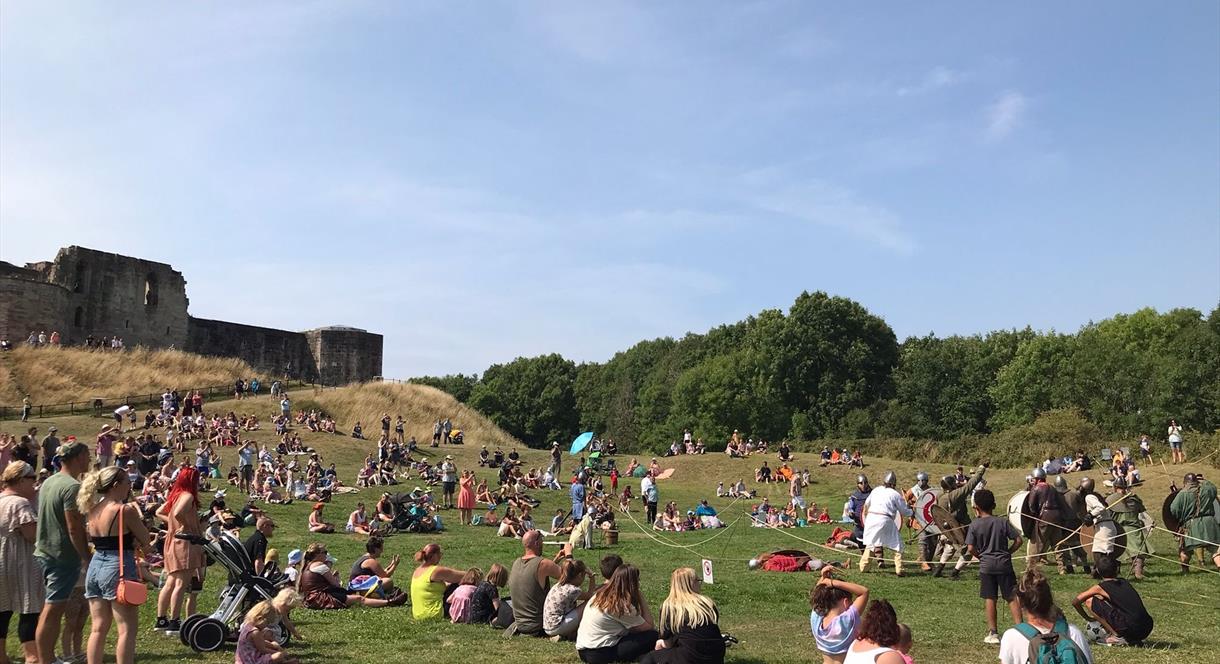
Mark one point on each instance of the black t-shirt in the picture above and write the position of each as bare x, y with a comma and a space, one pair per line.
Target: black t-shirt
696, 645
481, 608
256, 546
1125, 598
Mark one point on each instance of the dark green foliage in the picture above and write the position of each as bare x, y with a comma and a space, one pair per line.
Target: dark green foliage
830, 368
458, 385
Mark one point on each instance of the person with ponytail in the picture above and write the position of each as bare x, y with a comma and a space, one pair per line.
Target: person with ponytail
690, 633
617, 625
181, 515
103, 499
430, 583
21, 589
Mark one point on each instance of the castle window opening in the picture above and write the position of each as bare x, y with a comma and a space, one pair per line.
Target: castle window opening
150, 290
78, 282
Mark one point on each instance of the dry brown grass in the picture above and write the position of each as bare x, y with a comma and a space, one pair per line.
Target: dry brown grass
419, 405
60, 375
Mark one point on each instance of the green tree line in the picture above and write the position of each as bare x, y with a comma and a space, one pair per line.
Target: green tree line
830, 368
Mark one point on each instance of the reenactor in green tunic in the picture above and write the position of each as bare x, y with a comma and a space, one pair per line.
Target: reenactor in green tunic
1195, 508
1129, 512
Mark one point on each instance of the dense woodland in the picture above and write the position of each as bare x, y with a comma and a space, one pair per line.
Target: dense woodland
829, 368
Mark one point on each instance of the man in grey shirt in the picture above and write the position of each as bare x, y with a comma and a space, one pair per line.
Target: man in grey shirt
50, 445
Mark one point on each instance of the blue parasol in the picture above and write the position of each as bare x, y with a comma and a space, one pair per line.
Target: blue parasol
581, 442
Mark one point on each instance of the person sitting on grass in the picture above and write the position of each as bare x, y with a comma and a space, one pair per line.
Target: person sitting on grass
877, 637
370, 565
1116, 606
763, 474
316, 523
321, 588
284, 602
906, 640
358, 521
358, 431
429, 582
988, 539
485, 602
459, 601
690, 633
255, 645
835, 618
563, 607
1041, 617
617, 625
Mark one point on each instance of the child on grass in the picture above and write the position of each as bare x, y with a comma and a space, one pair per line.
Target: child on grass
254, 643
284, 602
460, 599
835, 617
905, 641
988, 539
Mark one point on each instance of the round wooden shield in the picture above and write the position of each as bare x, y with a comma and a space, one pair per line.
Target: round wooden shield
949, 527
1171, 521
923, 512
1014, 509
1029, 521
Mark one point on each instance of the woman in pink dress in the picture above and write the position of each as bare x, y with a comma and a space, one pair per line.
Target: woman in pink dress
465, 499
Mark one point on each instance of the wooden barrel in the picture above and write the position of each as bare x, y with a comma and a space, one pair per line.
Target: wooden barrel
611, 537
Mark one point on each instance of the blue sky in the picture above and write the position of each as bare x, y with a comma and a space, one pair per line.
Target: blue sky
479, 181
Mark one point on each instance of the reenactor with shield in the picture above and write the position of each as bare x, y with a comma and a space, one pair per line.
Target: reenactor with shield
1073, 519
1194, 509
1045, 506
1106, 538
953, 517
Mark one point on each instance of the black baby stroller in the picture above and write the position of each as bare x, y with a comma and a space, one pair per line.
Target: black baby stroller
410, 516
207, 633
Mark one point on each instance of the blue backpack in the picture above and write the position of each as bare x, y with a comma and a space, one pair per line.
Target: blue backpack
1054, 647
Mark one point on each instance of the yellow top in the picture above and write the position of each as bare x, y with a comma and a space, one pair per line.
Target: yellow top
426, 596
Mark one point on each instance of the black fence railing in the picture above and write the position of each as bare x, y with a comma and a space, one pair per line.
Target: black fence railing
105, 405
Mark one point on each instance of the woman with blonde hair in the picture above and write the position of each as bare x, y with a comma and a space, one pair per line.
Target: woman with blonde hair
111, 523
690, 633
21, 587
617, 625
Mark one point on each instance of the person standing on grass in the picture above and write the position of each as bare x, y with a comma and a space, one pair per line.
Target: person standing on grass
650, 496
448, 480
112, 522
181, 558
447, 429
1175, 442
21, 589
50, 445
465, 499
245, 463
62, 543
26, 407
105, 446
988, 539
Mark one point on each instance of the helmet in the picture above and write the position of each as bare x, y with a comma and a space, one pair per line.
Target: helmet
948, 482
922, 478
890, 478
753, 564
1039, 474
1190, 479
1119, 483
862, 479
1086, 484
1061, 484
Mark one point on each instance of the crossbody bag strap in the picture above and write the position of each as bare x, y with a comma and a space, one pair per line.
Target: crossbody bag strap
122, 536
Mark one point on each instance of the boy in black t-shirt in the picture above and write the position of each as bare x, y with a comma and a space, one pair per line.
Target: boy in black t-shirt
1116, 605
988, 540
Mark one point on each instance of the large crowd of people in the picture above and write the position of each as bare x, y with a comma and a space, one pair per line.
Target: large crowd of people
84, 528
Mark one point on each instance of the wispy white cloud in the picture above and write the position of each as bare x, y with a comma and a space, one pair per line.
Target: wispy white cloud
1004, 115
937, 78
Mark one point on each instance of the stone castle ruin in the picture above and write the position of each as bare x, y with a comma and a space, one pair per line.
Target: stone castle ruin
85, 292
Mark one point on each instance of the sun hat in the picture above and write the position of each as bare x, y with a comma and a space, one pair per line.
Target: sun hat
295, 556
449, 457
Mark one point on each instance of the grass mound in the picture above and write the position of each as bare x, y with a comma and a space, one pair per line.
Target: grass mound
59, 375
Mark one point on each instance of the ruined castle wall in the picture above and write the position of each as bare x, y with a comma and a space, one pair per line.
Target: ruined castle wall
144, 302
278, 353
346, 355
30, 306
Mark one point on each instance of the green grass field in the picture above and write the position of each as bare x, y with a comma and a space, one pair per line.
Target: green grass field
768, 612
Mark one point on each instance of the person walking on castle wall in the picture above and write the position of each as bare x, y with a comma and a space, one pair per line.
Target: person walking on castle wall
55, 338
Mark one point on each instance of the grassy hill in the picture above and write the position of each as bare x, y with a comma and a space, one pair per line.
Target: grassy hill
60, 375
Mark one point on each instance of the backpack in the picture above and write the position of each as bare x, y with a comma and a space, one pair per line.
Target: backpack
1054, 647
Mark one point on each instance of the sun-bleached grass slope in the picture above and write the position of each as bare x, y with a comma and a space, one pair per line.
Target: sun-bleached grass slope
60, 375
419, 405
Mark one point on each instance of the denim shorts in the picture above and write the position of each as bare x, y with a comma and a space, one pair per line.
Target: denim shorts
102, 580
60, 579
